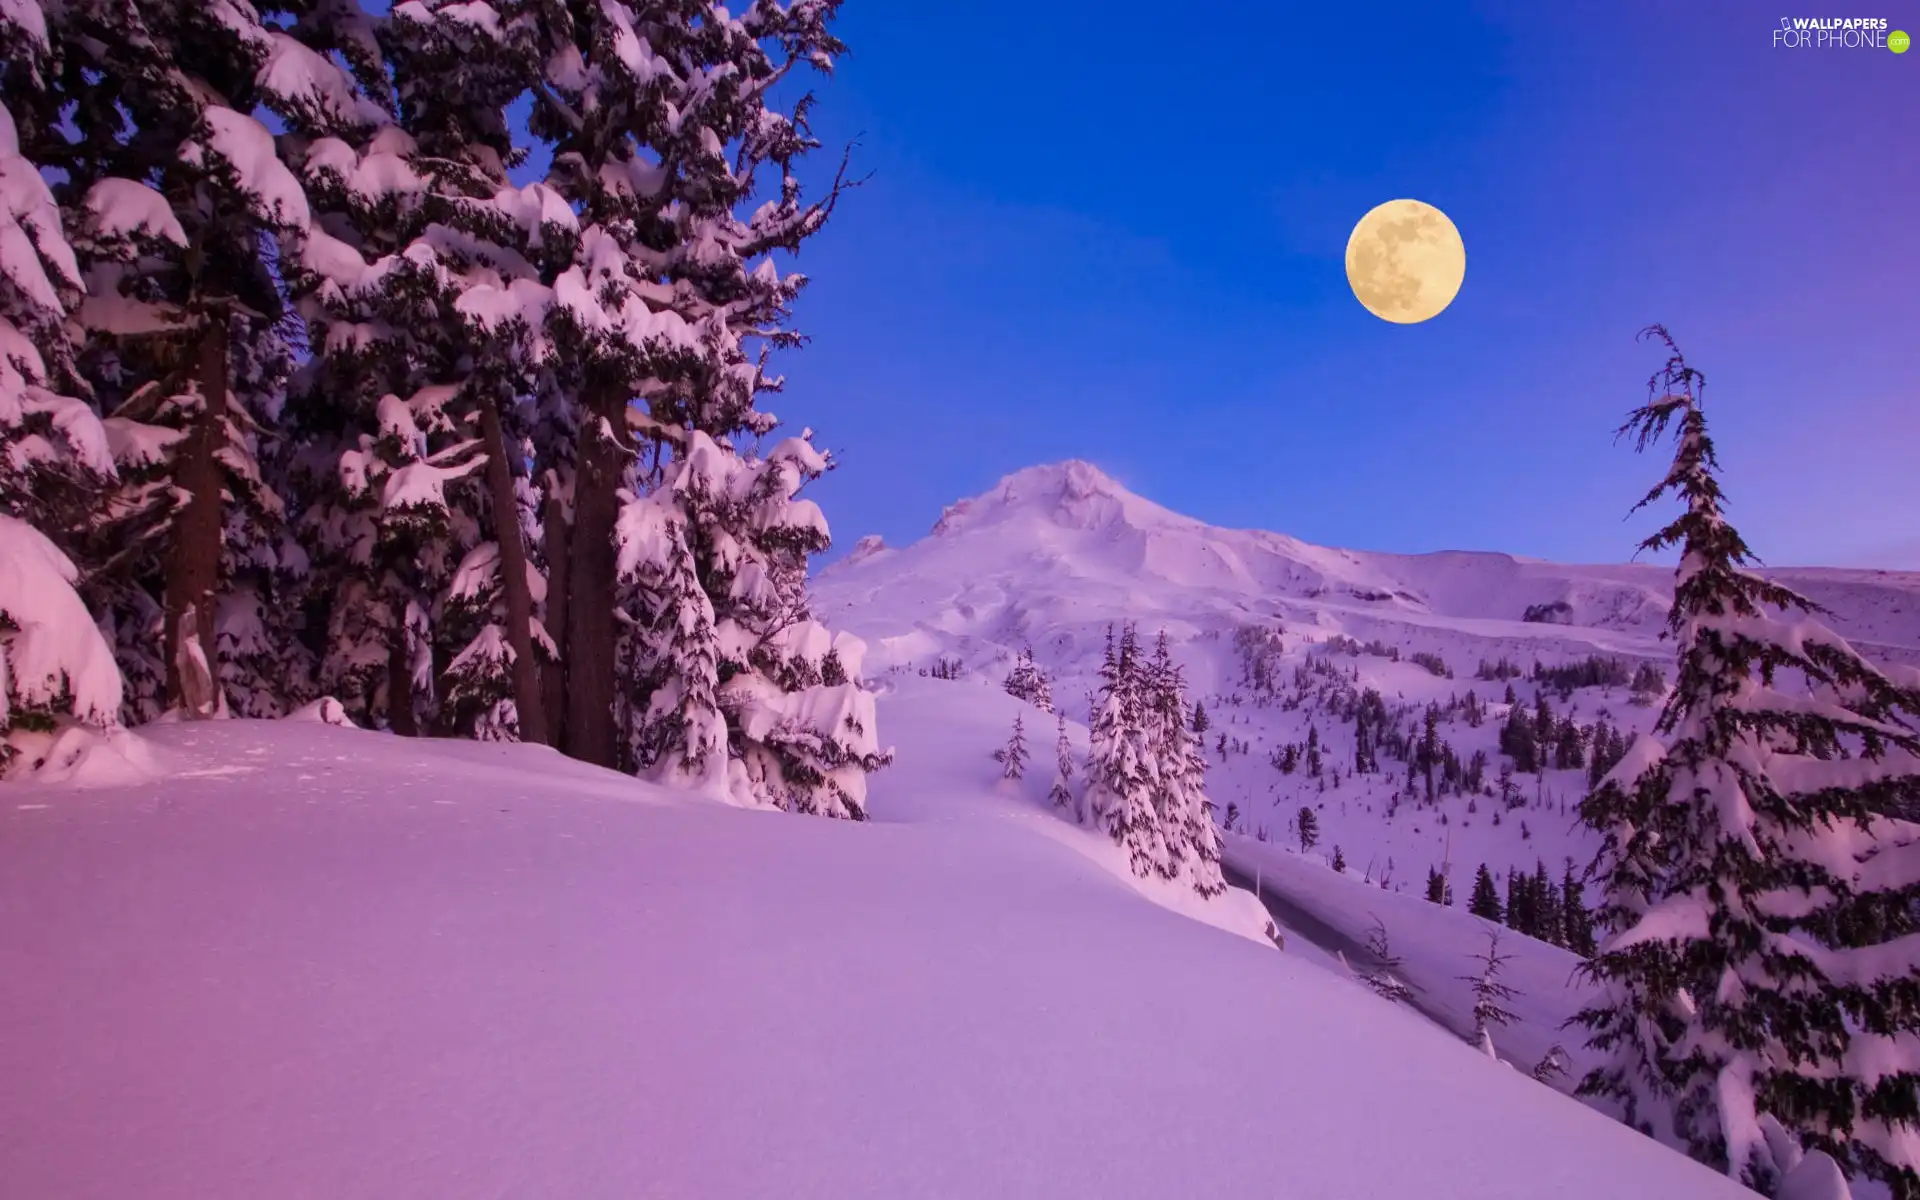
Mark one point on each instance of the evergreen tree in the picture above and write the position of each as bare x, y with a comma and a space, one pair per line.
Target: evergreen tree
1552, 1066
1308, 824
1520, 912
1545, 728
1485, 901
1384, 977
1180, 770
1568, 752
1027, 682
1120, 780
1339, 860
1598, 763
1313, 751
1439, 891
1574, 917
1490, 996
1760, 897
660, 125
1061, 793
55, 668
1548, 921
1427, 756
1014, 754
1363, 760
424, 284
1517, 741
174, 189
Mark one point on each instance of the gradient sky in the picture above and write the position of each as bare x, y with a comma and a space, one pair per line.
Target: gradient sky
1114, 229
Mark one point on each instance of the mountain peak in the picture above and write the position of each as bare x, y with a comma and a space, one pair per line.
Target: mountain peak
1074, 493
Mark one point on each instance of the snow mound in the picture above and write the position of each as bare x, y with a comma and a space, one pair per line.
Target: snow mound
84, 756
325, 711
349, 965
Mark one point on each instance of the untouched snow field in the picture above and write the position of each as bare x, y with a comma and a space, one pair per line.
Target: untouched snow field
316, 962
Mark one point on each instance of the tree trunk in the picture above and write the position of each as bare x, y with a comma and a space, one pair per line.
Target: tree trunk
558, 580
400, 718
193, 567
528, 703
591, 633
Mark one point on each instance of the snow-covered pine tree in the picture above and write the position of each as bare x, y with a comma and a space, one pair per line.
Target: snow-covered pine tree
1061, 793
176, 192
54, 455
54, 666
1552, 1066
1383, 978
267, 666
794, 725
1307, 826
1178, 755
424, 277
670, 659
1490, 996
1028, 682
1761, 895
1120, 773
661, 122
1013, 756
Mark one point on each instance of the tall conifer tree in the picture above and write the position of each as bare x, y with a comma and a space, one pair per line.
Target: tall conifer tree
1761, 891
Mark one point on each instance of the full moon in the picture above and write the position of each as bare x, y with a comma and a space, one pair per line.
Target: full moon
1405, 261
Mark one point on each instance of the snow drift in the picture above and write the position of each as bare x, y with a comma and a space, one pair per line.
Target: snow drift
322, 962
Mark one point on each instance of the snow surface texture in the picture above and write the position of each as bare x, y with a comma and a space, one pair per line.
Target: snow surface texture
1053, 555
321, 962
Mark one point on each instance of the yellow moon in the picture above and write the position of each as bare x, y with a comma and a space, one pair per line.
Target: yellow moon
1405, 261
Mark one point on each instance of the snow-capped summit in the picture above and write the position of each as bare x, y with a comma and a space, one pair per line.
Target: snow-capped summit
1074, 494
870, 546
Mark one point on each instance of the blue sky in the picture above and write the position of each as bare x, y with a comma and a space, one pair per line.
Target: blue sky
1115, 230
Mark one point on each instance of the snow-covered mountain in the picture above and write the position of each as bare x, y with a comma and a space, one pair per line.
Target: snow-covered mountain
1053, 555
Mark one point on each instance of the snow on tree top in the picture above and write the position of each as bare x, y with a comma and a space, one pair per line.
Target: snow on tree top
33, 248
248, 149
54, 646
127, 207
309, 84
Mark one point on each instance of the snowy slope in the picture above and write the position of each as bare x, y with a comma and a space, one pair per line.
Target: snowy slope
1053, 555
315, 962
1439, 948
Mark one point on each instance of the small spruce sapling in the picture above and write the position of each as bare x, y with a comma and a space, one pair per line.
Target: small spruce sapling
1062, 791
1013, 756
1490, 996
1384, 979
